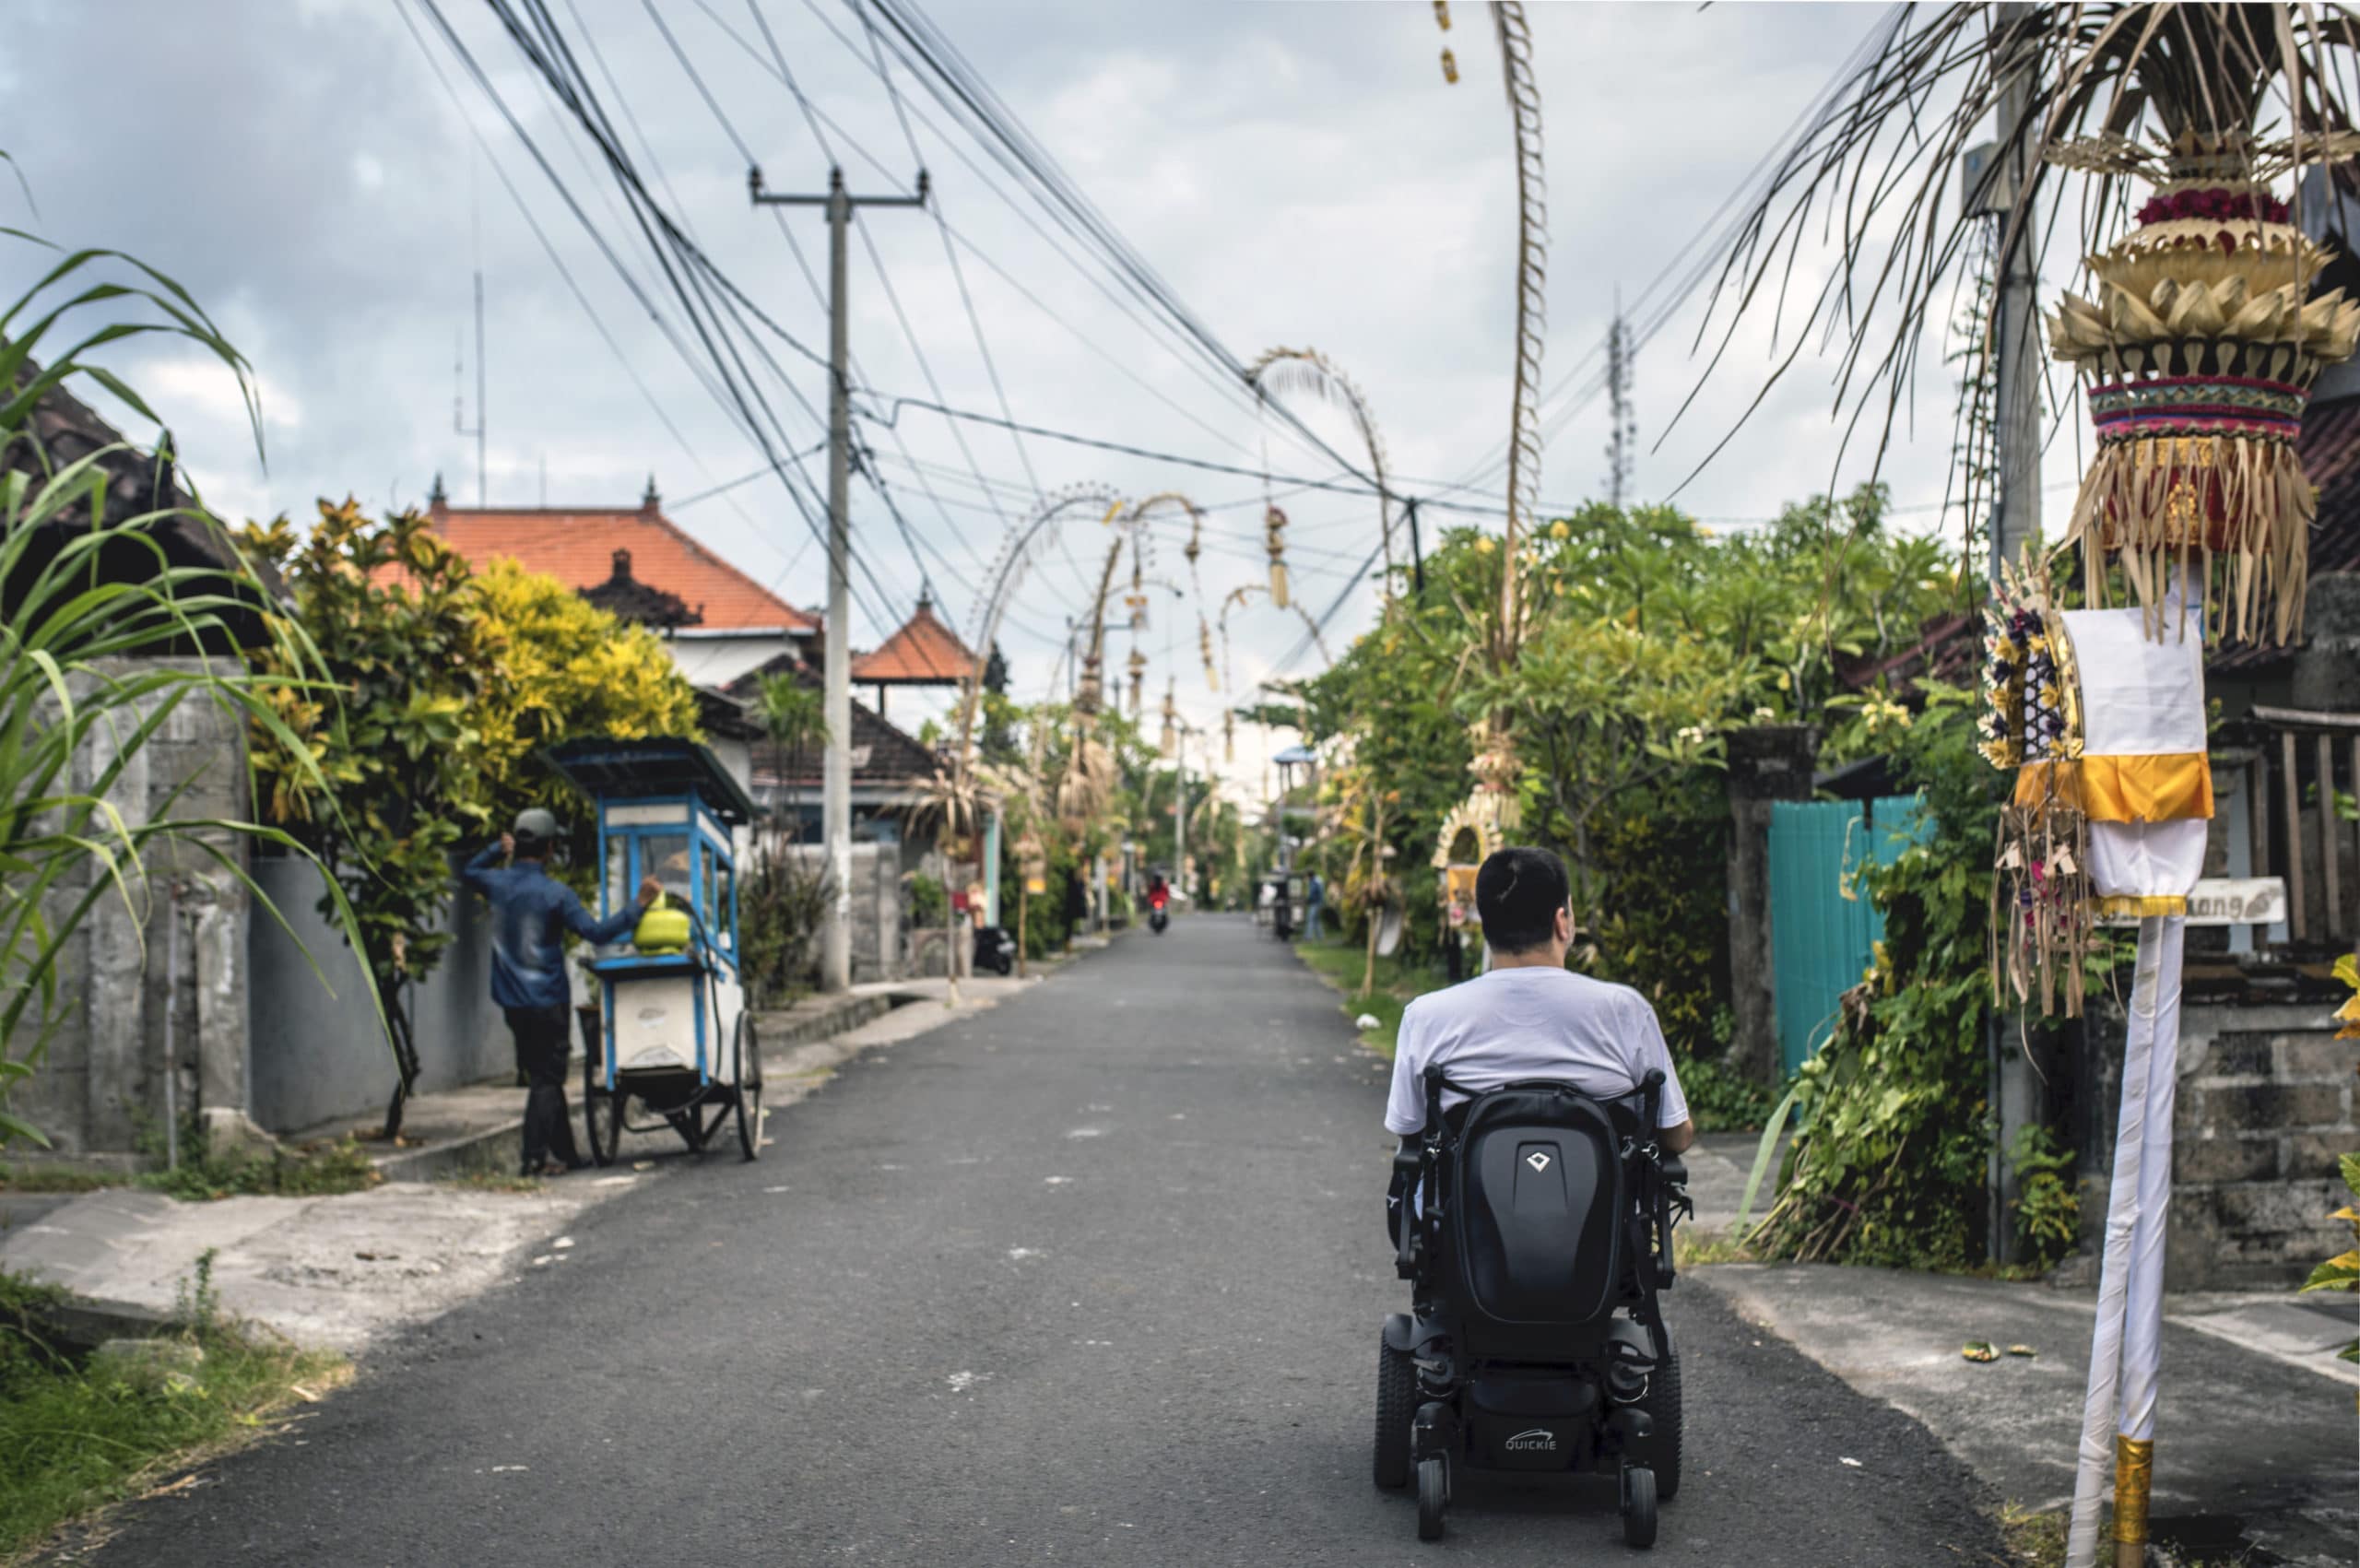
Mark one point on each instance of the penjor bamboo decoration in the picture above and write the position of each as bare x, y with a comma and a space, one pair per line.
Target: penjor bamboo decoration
2198, 357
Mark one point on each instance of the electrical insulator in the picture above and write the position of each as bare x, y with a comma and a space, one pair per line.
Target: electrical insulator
1450, 67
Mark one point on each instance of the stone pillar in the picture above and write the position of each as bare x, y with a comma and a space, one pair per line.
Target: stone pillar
1766, 763
2326, 667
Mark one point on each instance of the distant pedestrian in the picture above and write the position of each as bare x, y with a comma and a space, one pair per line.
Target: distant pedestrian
1314, 905
531, 911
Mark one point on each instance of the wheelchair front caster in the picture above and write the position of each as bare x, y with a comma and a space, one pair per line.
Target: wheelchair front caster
1638, 1505
1433, 1491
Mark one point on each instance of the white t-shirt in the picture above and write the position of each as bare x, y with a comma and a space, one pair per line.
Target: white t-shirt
1529, 1023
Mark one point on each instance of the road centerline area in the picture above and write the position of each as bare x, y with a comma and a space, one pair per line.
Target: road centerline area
1067, 1281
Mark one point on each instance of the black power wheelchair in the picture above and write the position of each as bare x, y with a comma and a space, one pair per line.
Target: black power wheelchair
1535, 1342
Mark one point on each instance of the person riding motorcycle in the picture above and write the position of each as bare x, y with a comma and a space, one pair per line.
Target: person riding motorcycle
1158, 896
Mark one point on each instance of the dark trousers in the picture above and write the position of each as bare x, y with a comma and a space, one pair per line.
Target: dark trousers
541, 1051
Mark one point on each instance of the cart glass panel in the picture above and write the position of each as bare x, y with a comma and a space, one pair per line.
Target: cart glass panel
618, 887
664, 856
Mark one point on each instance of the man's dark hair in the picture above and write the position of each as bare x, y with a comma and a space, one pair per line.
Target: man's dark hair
1518, 892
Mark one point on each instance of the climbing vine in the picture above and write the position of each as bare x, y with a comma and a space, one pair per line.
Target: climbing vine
1889, 1166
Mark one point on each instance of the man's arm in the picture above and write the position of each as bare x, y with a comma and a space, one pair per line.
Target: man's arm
474, 874
598, 933
1675, 1130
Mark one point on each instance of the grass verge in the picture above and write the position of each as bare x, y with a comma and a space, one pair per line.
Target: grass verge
322, 1170
55, 1178
79, 1433
1343, 964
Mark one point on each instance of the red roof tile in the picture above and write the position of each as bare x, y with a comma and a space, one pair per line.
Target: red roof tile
923, 652
577, 547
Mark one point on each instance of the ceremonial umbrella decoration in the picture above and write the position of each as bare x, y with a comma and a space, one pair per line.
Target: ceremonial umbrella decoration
2195, 358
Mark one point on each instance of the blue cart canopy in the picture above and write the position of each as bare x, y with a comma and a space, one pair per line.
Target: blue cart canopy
640, 770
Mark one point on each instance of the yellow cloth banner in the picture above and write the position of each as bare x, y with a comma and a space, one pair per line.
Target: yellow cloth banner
2169, 787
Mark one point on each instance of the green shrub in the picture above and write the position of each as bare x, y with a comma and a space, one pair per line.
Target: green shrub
2047, 1210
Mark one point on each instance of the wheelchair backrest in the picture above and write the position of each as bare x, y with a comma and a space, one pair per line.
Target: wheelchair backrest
1537, 1206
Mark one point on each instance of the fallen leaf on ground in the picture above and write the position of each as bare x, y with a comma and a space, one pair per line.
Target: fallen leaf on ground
1978, 1350
2022, 1350
1847, 1459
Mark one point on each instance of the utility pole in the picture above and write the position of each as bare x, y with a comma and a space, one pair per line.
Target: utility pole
1180, 817
835, 804
2012, 1089
2017, 521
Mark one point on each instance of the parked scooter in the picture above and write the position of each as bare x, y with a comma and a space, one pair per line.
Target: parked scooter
995, 949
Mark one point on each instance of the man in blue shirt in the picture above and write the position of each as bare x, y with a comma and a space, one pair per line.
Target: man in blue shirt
531, 912
1315, 904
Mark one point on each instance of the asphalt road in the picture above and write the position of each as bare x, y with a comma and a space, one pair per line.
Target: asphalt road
1095, 1276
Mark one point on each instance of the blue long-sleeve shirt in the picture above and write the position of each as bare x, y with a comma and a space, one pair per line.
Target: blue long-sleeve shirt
530, 913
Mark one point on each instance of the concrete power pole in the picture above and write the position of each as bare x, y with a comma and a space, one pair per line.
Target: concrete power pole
1180, 818
2014, 523
835, 805
2017, 521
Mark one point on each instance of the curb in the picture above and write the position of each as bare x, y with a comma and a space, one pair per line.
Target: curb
502, 1148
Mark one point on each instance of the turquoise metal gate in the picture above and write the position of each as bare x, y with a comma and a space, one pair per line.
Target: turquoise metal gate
1821, 925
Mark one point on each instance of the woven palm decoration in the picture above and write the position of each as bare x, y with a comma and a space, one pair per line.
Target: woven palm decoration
2031, 719
2104, 725
2196, 358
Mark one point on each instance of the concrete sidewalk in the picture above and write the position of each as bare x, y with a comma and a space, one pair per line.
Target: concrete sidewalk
479, 1127
340, 1272
2256, 1444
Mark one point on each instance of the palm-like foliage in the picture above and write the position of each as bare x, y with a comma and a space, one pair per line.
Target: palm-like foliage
81, 691
1876, 170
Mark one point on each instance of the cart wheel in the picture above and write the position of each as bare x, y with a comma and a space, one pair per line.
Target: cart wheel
1432, 1492
746, 1062
1638, 1505
594, 1095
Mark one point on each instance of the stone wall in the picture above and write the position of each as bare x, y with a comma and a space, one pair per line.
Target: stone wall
877, 948
2265, 1108
152, 985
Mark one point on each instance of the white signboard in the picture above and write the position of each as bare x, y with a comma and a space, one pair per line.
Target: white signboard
2230, 901
2237, 900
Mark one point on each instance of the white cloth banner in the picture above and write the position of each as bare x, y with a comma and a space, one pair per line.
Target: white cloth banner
2147, 859
2127, 1337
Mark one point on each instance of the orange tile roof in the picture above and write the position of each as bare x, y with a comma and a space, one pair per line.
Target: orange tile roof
577, 547
923, 652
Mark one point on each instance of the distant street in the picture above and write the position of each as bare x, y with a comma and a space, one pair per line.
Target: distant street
1093, 1278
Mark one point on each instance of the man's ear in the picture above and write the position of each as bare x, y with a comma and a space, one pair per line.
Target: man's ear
1566, 926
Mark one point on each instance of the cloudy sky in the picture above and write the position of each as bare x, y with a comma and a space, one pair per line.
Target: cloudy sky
1299, 173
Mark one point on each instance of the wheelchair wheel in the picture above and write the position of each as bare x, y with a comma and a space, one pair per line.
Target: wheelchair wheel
1662, 1403
1638, 1505
1397, 1406
1433, 1491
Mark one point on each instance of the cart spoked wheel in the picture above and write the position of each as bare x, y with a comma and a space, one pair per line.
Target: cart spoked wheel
597, 1104
746, 1063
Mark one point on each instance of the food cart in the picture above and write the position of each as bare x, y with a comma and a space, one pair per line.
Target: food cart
671, 1031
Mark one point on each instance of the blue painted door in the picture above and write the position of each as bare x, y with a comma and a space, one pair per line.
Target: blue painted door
1822, 925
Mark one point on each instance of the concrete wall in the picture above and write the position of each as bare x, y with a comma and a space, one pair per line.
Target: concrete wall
320, 1057
153, 989
2265, 1107
876, 886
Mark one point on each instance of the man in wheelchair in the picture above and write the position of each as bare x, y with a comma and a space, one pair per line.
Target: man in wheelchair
1540, 1118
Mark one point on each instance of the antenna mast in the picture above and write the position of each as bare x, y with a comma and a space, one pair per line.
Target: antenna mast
1623, 444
